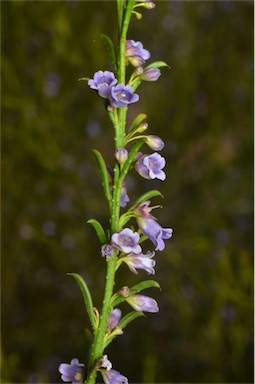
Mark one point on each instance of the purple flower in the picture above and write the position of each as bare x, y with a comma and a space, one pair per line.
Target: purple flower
102, 82
126, 241
150, 74
105, 363
107, 250
113, 377
135, 53
154, 142
149, 226
121, 95
72, 372
141, 261
143, 303
114, 318
150, 166
124, 199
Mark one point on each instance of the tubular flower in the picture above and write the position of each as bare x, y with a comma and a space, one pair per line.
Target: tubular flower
114, 318
72, 372
135, 53
150, 166
102, 82
141, 261
143, 303
149, 226
150, 74
126, 241
154, 142
113, 377
121, 95
124, 199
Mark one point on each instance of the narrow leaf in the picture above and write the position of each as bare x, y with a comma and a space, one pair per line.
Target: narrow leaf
137, 121
84, 79
146, 196
157, 64
110, 48
136, 289
104, 174
99, 230
86, 296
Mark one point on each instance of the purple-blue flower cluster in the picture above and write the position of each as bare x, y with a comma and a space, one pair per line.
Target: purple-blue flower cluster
119, 95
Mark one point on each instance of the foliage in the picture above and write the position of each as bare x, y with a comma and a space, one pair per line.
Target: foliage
203, 106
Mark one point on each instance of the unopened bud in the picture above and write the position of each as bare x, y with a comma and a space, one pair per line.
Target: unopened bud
124, 291
121, 155
150, 74
142, 127
155, 142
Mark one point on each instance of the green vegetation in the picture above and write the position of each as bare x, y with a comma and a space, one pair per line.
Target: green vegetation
203, 108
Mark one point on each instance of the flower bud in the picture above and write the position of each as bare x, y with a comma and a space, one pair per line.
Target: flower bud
107, 250
124, 291
150, 74
155, 142
142, 127
121, 155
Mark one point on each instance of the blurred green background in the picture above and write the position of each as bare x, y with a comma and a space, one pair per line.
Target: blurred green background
203, 109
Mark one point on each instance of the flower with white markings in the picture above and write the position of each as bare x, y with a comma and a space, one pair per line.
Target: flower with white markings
126, 241
102, 82
140, 261
150, 166
72, 372
143, 303
121, 95
149, 226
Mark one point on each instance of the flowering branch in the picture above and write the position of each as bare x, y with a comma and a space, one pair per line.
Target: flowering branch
121, 244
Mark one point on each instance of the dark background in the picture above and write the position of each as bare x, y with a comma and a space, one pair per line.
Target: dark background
203, 110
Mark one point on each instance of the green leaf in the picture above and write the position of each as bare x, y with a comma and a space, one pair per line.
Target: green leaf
99, 230
110, 48
137, 121
84, 79
104, 174
128, 318
86, 296
157, 64
122, 324
146, 196
136, 289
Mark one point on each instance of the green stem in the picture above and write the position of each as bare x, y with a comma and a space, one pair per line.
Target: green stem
118, 118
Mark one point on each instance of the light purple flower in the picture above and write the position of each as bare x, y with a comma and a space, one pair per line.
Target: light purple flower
126, 241
113, 377
154, 142
114, 318
143, 303
141, 261
72, 372
102, 82
149, 226
150, 166
107, 250
124, 199
150, 74
121, 95
105, 363
135, 53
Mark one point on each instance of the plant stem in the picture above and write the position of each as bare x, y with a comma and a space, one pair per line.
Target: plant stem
118, 118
